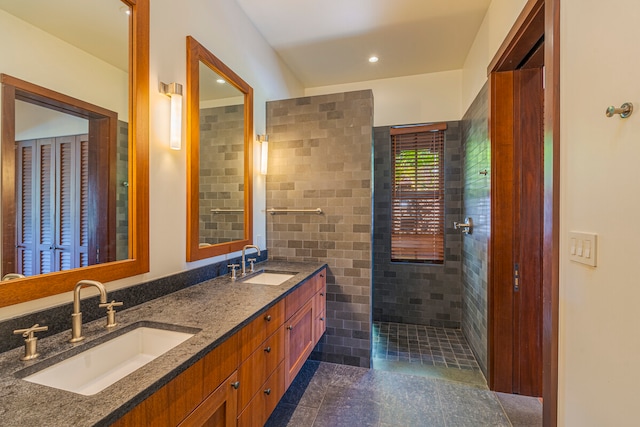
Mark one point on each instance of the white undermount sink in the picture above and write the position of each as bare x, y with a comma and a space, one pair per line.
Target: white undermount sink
273, 278
96, 368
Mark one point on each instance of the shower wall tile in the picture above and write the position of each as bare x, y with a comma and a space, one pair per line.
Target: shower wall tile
477, 204
423, 294
320, 157
122, 192
221, 178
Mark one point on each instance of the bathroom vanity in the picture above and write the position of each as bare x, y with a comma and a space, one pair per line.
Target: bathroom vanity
252, 341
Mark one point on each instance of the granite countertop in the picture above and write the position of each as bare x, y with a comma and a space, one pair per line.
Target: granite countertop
217, 307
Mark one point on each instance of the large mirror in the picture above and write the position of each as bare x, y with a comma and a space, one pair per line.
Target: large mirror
74, 143
220, 129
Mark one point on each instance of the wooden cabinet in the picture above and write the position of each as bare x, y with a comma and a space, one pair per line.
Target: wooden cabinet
219, 409
265, 401
170, 405
262, 352
299, 340
242, 380
305, 308
320, 303
259, 366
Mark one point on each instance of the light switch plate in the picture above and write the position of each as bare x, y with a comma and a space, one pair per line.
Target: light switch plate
583, 247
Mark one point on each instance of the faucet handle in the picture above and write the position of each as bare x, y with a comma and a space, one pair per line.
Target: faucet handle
233, 270
251, 262
30, 342
111, 313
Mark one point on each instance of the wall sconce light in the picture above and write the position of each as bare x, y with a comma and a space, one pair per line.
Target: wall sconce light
264, 152
174, 91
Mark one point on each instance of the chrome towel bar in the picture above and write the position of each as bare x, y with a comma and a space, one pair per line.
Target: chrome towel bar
274, 211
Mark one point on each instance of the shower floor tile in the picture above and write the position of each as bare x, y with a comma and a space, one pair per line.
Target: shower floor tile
424, 345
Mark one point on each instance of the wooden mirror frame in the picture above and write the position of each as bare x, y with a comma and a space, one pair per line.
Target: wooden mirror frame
44, 285
195, 54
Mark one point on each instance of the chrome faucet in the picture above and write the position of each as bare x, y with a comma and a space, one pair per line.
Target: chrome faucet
244, 267
76, 317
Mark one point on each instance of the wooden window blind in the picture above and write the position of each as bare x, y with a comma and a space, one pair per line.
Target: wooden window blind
417, 217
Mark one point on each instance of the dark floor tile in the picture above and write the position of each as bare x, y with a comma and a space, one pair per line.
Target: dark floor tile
348, 407
286, 415
310, 385
523, 411
462, 403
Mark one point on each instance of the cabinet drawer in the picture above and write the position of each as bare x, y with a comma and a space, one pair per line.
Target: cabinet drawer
320, 280
298, 298
252, 335
265, 401
320, 327
259, 366
320, 301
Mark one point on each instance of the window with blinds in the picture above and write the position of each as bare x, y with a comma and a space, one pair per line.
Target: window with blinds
417, 217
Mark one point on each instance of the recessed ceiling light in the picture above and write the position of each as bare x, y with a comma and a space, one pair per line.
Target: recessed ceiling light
221, 81
373, 59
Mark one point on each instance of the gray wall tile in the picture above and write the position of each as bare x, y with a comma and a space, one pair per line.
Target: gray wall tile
423, 294
477, 204
320, 157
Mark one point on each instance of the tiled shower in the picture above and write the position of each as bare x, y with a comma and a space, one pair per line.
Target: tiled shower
325, 153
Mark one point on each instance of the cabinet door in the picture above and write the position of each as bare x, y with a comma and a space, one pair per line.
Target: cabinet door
219, 409
299, 340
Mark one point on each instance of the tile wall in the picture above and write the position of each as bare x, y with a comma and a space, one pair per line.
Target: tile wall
122, 192
320, 157
477, 204
222, 174
422, 294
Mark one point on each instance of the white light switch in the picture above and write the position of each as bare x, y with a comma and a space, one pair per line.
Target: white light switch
583, 247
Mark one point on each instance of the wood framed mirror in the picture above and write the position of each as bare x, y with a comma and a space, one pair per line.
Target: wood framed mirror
23, 91
219, 156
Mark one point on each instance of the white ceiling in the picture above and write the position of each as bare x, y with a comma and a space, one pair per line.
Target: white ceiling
326, 42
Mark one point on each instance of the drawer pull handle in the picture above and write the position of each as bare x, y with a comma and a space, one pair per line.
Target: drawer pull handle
290, 327
268, 349
267, 391
267, 318
235, 384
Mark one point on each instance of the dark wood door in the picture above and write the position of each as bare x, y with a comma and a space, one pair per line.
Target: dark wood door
515, 292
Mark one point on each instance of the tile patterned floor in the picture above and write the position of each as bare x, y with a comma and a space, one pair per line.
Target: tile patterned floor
422, 377
424, 345
329, 395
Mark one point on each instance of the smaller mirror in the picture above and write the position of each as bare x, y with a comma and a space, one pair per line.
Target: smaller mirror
219, 158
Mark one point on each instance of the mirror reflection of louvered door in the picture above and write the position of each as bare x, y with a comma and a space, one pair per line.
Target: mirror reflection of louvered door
52, 204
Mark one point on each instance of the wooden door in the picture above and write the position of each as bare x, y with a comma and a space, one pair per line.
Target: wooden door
515, 294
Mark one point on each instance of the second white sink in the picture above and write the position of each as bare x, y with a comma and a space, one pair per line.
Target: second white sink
269, 278
98, 367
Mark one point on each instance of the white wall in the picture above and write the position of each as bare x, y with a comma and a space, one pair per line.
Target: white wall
222, 27
423, 98
496, 25
599, 371
30, 54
